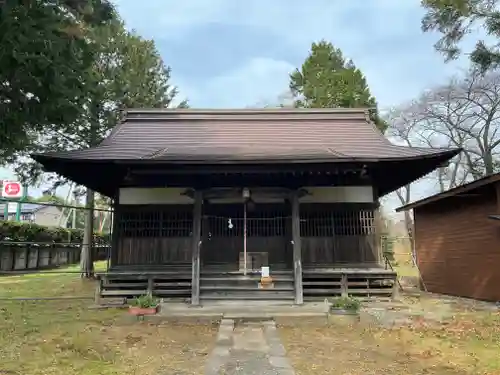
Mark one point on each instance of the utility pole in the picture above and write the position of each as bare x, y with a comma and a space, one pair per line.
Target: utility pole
19, 203
73, 221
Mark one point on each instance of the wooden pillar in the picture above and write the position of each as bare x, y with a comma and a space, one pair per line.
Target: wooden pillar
115, 234
344, 289
377, 236
297, 249
97, 294
195, 249
377, 229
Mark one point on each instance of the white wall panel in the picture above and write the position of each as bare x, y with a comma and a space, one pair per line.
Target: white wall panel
338, 194
154, 196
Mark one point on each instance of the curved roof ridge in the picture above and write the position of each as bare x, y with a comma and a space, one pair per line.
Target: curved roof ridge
245, 110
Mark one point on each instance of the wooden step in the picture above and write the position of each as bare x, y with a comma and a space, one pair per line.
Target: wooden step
322, 291
243, 288
246, 297
370, 291
137, 292
165, 292
245, 278
249, 273
313, 283
125, 285
173, 284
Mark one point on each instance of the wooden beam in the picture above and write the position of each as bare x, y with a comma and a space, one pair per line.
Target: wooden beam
297, 250
195, 248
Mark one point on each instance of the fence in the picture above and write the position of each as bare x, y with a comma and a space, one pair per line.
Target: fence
30, 256
44, 235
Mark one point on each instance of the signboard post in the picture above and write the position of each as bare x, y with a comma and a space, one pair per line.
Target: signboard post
13, 190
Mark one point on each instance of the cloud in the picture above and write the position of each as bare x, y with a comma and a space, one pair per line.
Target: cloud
209, 42
295, 19
258, 80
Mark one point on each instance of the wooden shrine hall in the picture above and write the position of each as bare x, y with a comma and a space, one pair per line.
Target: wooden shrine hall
203, 199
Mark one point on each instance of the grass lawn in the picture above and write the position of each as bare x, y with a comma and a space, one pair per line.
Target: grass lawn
65, 337
468, 343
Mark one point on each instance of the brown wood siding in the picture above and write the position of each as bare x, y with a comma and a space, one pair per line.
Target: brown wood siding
331, 233
153, 250
458, 246
325, 251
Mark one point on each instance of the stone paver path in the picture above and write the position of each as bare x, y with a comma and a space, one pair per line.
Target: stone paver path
249, 348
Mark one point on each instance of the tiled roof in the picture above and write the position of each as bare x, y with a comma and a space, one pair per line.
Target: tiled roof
186, 135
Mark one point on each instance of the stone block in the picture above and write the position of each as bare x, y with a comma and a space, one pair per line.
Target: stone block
280, 362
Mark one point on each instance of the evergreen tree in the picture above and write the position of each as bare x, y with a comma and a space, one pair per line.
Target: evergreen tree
327, 80
127, 72
44, 59
456, 19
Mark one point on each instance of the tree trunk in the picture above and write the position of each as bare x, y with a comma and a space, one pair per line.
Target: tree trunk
86, 259
489, 167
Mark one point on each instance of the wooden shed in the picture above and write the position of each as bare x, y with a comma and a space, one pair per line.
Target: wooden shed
457, 240
204, 198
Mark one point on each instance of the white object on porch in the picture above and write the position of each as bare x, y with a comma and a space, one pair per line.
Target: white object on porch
264, 272
255, 261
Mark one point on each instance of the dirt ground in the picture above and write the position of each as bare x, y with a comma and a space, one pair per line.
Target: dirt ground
65, 337
424, 335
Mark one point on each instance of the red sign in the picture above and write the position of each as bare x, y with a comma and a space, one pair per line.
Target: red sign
11, 189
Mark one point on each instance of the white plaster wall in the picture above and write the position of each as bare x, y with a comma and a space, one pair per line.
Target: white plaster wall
327, 194
257, 197
154, 196
337, 194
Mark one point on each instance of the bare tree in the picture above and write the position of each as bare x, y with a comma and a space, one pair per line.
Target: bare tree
411, 125
463, 113
404, 129
408, 126
466, 113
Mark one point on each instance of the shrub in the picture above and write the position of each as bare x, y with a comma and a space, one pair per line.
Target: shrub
144, 302
345, 303
28, 232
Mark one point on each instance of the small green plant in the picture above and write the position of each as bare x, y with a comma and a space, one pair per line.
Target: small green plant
145, 302
345, 303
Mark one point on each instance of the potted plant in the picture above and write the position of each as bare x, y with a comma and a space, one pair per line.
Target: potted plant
346, 306
144, 305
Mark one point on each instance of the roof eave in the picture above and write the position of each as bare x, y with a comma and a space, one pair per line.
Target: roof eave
41, 157
451, 192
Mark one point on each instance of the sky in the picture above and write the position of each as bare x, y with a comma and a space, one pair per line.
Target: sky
234, 54
226, 53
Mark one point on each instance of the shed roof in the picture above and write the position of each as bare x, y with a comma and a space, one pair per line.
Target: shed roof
250, 135
471, 186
